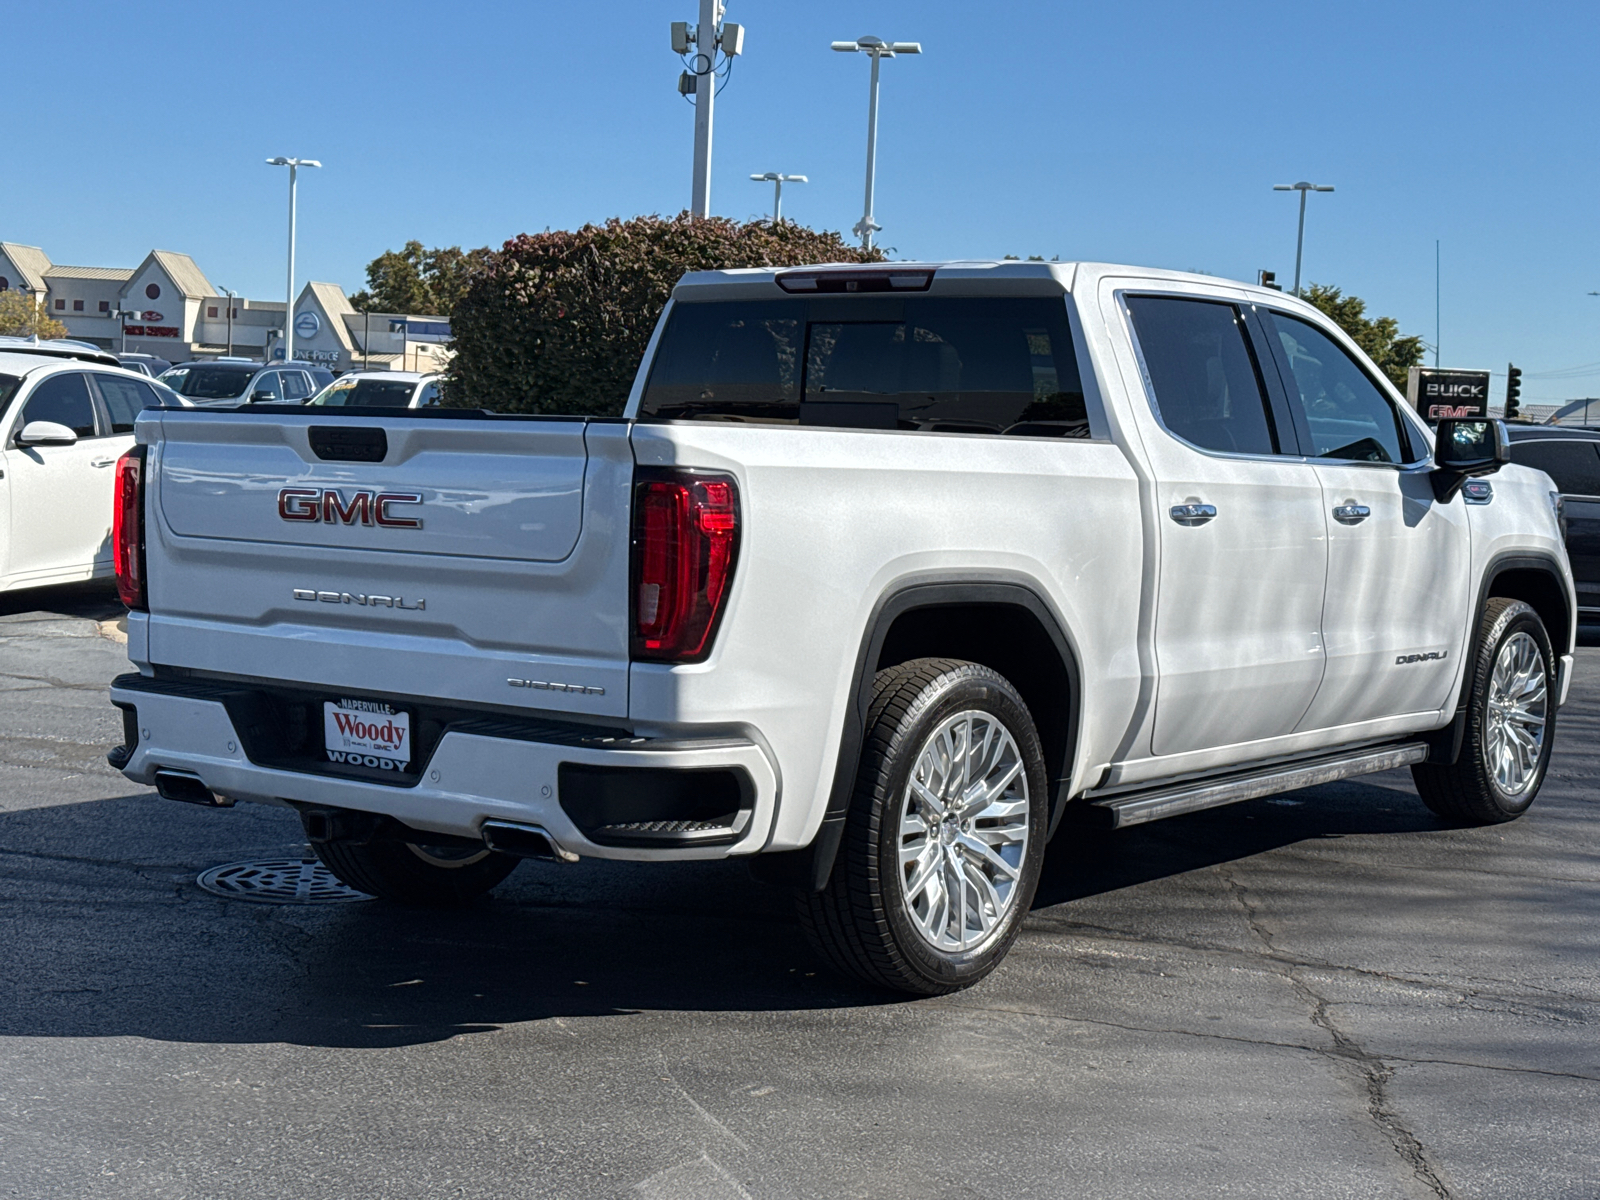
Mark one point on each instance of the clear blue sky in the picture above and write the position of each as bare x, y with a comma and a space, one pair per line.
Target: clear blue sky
1140, 132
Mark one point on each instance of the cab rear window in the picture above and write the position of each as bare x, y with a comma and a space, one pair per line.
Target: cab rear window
937, 364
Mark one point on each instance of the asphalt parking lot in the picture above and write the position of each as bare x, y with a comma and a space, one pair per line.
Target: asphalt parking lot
1323, 994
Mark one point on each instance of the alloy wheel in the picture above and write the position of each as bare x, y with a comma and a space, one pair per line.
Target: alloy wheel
963, 832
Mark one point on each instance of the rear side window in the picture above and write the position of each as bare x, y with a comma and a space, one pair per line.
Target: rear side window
125, 399
1574, 465
295, 385
63, 399
1349, 416
1207, 386
953, 365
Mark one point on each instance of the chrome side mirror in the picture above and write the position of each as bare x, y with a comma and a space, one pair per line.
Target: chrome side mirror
1463, 449
46, 433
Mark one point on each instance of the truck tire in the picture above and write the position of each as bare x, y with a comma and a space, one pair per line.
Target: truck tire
423, 876
928, 891
1511, 719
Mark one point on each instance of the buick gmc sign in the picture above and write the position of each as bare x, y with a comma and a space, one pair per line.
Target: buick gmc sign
1439, 394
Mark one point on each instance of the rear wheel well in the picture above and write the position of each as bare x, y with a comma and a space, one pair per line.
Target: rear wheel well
1007, 638
1544, 593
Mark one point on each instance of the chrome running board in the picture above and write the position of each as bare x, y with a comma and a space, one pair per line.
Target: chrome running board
1152, 804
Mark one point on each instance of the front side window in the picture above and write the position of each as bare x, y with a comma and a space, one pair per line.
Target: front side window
125, 399
952, 365
63, 399
1207, 388
1349, 416
266, 389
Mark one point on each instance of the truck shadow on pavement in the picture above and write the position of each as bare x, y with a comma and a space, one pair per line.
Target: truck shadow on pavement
107, 935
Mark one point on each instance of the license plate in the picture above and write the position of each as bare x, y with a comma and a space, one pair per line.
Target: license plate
367, 733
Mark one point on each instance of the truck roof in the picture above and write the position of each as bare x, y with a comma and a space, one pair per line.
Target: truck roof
988, 275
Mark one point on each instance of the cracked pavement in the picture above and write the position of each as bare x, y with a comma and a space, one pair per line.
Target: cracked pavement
1324, 993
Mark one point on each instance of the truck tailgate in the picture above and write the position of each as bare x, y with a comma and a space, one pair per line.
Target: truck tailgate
458, 557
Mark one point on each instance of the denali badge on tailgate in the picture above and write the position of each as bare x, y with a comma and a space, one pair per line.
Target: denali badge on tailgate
367, 733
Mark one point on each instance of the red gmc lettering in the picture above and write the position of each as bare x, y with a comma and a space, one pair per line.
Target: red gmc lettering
298, 504
380, 508
333, 509
329, 507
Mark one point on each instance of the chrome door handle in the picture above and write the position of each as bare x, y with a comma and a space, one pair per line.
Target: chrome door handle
1351, 514
1193, 514
102, 462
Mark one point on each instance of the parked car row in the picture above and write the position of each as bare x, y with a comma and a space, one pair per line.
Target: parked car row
226, 382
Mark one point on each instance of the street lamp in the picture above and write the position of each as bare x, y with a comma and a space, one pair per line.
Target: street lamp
1300, 238
777, 182
294, 165
878, 49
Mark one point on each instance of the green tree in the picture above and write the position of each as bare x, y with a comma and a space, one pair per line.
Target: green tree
420, 281
1378, 337
21, 316
558, 322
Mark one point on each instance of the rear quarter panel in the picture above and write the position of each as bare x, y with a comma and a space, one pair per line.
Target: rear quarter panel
835, 520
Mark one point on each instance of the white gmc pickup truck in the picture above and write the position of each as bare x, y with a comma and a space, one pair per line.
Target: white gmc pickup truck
886, 573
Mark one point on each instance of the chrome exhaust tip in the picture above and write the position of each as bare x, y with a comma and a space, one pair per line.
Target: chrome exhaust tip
187, 787
525, 841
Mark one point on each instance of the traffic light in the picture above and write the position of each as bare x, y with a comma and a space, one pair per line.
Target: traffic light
1268, 279
1513, 391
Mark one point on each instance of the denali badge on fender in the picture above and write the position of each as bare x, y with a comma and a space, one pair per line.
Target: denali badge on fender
365, 508
1430, 656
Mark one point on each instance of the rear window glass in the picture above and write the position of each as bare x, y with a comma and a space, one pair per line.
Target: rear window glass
209, 381
1002, 365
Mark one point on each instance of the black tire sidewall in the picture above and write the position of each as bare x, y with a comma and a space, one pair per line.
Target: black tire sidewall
956, 691
1516, 618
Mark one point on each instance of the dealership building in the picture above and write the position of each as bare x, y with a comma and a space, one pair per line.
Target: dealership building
167, 307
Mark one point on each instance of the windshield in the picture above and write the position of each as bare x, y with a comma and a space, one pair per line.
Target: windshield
366, 393
209, 381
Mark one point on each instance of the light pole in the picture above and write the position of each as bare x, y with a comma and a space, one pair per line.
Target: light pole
701, 83
878, 49
777, 182
1300, 238
229, 293
294, 165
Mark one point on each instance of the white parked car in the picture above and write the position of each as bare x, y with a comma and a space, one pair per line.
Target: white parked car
885, 574
66, 415
381, 389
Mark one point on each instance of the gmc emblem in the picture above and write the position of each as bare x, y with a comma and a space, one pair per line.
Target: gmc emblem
364, 508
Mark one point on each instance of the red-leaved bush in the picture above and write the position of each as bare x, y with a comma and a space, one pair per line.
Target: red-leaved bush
558, 322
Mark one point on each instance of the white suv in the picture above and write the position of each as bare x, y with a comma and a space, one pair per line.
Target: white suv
66, 415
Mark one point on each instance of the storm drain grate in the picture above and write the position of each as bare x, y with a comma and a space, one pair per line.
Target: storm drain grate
279, 881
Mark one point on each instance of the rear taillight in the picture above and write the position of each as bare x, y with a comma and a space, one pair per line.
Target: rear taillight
127, 529
685, 542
